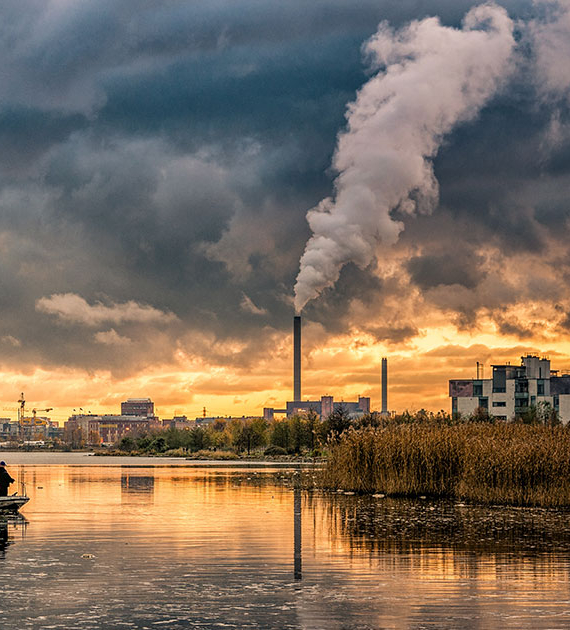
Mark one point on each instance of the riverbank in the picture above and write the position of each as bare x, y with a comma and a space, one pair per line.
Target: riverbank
214, 456
510, 464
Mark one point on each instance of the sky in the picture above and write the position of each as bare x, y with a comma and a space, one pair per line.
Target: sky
177, 179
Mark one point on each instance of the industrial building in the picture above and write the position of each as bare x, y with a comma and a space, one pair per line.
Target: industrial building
326, 404
137, 407
323, 407
512, 390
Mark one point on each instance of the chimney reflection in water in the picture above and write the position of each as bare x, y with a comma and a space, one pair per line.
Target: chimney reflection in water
297, 529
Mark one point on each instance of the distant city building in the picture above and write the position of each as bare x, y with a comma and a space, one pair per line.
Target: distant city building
37, 428
323, 408
105, 429
178, 422
137, 407
201, 421
512, 390
8, 430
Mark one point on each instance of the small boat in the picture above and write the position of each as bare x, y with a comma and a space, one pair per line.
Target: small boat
13, 502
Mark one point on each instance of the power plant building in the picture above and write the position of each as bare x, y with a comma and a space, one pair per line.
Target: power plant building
323, 407
326, 405
512, 390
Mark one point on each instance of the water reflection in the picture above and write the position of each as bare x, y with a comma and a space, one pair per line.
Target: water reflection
136, 488
402, 525
144, 547
4, 540
297, 526
10, 525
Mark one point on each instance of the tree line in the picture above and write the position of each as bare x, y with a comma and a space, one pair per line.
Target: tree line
301, 434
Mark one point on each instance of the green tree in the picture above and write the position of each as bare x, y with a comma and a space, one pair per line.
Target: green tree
296, 430
250, 434
279, 434
199, 439
158, 444
338, 422
144, 441
312, 425
126, 444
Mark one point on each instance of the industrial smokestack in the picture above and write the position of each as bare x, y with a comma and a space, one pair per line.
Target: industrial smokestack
384, 386
297, 358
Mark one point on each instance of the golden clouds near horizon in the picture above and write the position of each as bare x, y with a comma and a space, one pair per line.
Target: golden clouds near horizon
344, 366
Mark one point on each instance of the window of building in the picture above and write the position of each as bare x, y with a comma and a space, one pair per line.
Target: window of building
484, 403
540, 388
499, 390
499, 404
477, 389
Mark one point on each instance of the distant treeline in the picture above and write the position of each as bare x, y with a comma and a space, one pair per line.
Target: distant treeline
299, 435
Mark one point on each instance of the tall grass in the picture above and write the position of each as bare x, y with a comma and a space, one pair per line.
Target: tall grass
491, 463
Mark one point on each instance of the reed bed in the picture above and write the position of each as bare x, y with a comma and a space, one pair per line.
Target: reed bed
511, 464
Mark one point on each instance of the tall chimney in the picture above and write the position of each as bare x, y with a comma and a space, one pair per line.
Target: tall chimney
384, 385
297, 358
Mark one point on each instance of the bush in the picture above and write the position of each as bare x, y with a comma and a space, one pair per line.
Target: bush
274, 451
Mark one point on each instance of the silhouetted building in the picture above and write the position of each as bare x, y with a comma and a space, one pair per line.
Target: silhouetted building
513, 390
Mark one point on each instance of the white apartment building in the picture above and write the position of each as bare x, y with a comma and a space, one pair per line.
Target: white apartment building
513, 389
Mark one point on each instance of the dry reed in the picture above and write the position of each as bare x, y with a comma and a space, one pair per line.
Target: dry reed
487, 463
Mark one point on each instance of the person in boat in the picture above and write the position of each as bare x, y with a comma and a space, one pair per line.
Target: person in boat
5, 480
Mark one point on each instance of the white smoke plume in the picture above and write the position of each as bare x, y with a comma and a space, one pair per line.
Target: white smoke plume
428, 79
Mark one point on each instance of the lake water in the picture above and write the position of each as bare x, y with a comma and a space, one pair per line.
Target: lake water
131, 543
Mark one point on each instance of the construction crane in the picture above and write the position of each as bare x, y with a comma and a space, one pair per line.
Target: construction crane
21, 412
22, 408
34, 411
22, 415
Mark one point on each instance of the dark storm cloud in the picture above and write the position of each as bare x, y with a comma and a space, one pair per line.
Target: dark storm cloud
516, 329
166, 153
450, 268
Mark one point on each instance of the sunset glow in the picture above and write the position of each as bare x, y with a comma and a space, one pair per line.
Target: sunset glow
177, 181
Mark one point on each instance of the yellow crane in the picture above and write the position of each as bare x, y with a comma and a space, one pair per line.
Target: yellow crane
34, 411
22, 415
